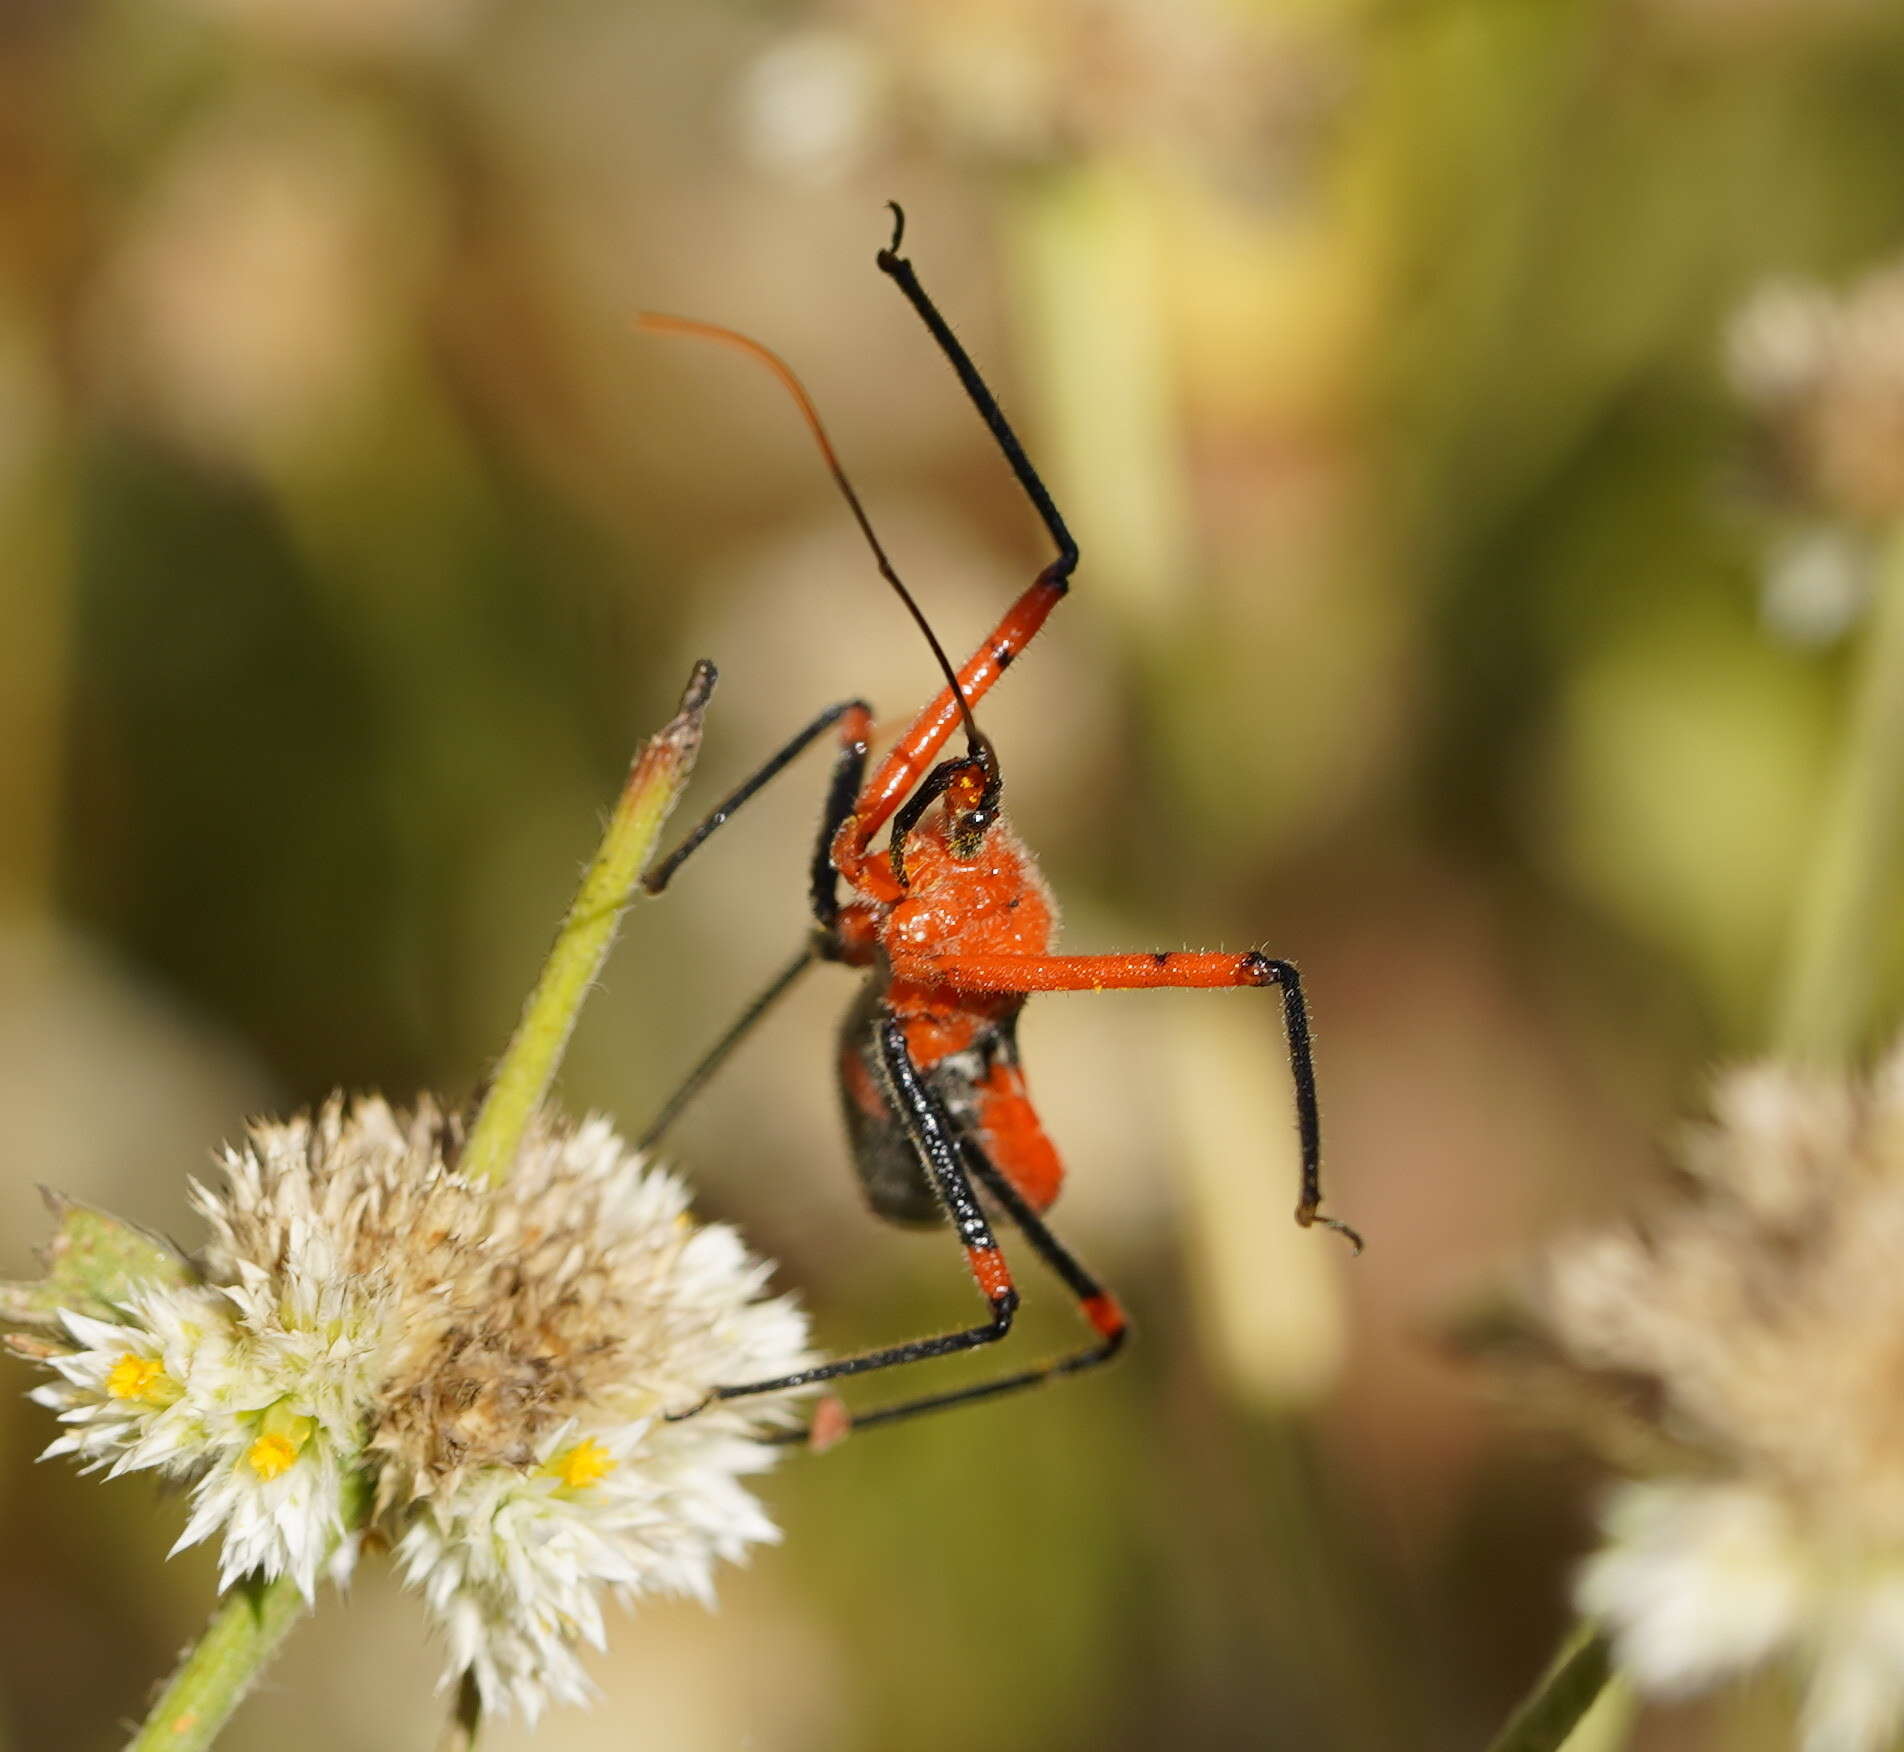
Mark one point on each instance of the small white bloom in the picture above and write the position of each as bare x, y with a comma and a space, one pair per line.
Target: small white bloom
125, 1393
254, 1392
279, 1503
512, 1562
1822, 370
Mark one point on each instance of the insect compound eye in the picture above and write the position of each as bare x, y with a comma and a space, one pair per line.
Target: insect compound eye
971, 803
968, 833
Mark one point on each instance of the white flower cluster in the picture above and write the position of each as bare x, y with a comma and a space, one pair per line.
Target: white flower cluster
480, 1374
252, 1397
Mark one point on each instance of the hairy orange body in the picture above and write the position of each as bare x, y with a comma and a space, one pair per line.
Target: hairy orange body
995, 904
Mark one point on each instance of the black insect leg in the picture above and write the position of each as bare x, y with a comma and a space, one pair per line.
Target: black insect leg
857, 716
1098, 1307
849, 768
935, 1136
711, 1061
900, 271
1302, 1070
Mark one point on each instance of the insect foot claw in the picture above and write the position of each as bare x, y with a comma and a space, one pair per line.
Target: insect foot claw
694, 1410
1309, 1217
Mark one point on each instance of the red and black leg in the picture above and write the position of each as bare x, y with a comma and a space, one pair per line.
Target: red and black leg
906, 764
955, 1161
1099, 1307
1163, 969
935, 1138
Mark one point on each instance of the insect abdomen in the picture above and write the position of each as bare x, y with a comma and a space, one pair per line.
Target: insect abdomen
894, 1179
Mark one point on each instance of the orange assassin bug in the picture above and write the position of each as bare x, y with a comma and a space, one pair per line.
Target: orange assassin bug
952, 924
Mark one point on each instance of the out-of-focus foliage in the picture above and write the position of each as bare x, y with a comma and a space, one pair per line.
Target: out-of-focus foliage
1440, 627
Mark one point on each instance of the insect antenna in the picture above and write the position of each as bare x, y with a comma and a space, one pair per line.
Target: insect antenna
977, 743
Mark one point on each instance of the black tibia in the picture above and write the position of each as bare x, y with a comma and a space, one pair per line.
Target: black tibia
935, 1137
968, 827
1302, 1067
823, 880
930, 789
900, 271
662, 873
898, 1160
711, 1061
849, 768
1065, 1265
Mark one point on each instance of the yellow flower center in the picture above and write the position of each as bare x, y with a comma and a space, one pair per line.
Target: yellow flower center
136, 1377
271, 1456
588, 1462
282, 1434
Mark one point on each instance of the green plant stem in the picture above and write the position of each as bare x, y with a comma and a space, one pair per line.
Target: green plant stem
253, 1619
655, 782
244, 1633
465, 1726
1569, 1688
237, 1645
528, 1067
1843, 914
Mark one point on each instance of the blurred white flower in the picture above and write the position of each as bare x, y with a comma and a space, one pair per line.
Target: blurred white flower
1743, 1346
1701, 1581
1818, 583
1824, 374
807, 105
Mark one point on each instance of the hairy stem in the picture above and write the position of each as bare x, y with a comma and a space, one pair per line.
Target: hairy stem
234, 1648
237, 1645
655, 782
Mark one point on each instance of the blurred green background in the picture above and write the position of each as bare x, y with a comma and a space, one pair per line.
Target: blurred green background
1438, 628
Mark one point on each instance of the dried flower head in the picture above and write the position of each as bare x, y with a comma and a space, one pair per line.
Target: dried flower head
490, 1367
1744, 1345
